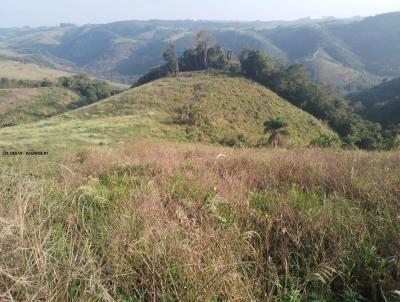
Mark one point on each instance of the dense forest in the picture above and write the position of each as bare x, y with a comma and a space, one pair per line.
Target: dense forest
381, 103
292, 82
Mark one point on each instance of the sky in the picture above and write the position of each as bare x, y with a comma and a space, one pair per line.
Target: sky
52, 12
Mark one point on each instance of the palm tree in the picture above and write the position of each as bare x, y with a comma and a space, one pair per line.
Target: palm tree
277, 127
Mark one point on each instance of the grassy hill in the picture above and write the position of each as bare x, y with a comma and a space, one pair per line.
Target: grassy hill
24, 105
201, 106
28, 71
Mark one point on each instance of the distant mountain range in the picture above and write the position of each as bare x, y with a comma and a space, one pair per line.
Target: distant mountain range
349, 54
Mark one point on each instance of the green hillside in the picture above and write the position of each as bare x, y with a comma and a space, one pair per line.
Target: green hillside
207, 107
326, 70
24, 105
381, 103
375, 40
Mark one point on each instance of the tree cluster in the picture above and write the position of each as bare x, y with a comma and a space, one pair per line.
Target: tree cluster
91, 91
205, 55
292, 83
6, 83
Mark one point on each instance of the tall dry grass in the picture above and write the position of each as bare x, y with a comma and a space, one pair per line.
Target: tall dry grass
164, 222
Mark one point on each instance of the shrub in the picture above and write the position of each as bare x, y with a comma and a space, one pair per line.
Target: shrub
325, 141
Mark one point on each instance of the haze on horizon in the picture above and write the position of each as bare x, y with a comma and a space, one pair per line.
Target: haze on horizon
15, 13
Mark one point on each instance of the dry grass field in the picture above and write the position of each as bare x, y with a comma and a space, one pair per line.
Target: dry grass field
28, 71
10, 98
156, 221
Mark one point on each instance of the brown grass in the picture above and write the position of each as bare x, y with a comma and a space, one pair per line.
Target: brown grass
28, 71
167, 222
16, 97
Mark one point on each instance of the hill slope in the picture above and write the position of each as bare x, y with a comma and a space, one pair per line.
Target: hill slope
28, 71
375, 40
362, 51
381, 103
24, 105
206, 107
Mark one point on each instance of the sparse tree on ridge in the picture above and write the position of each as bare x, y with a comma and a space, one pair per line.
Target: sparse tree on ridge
216, 57
229, 56
172, 64
204, 41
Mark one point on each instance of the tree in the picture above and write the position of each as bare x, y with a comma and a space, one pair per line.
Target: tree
171, 65
190, 60
277, 127
255, 64
66, 82
103, 90
216, 57
204, 41
280, 63
4, 83
46, 83
229, 56
152, 75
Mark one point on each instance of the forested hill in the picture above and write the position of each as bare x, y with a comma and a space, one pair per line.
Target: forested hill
124, 50
291, 83
381, 103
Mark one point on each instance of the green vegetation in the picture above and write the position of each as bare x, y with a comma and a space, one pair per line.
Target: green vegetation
161, 222
117, 213
326, 141
91, 91
123, 51
171, 68
201, 106
211, 107
341, 78
207, 54
291, 83
377, 42
277, 127
42, 104
6, 83
23, 102
381, 103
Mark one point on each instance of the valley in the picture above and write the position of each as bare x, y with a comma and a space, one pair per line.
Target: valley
201, 161
122, 51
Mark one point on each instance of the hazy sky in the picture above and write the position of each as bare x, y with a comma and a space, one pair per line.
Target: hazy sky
52, 12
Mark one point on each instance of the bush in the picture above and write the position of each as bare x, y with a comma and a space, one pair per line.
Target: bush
325, 141
152, 75
92, 91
